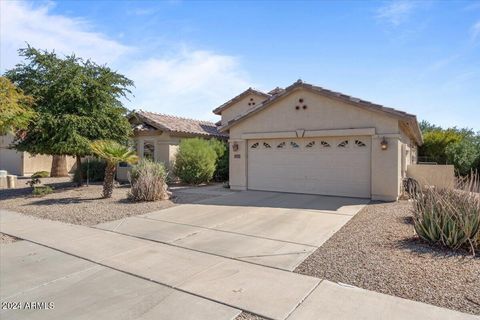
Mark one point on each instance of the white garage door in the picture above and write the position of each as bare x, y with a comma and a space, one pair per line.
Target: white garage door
331, 166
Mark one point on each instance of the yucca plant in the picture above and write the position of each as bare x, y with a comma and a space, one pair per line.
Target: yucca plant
449, 217
113, 153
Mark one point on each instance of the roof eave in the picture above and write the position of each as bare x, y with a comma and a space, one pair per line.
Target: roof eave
399, 115
229, 103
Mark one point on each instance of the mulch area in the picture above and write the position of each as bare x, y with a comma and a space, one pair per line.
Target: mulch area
84, 205
378, 250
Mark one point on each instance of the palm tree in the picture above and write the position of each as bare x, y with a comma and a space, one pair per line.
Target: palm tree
113, 153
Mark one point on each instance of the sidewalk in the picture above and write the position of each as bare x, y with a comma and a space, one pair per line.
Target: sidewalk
265, 291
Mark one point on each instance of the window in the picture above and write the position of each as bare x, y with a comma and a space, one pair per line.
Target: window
255, 145
281, 145
359, 143
310, 144
149, 151
343, 144
294, 144
325, 144
266, 145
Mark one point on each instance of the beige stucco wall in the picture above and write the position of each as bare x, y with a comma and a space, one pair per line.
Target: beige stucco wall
165, 146
32, 164
23, 163
324, 114
441, 176
10, 160
241, 106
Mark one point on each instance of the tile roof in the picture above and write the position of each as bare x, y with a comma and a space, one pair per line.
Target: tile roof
179, 125
239, 97
409, 119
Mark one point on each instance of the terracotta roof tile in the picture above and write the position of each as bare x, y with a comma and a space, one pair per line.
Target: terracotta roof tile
239, 97
180, 125
410, 118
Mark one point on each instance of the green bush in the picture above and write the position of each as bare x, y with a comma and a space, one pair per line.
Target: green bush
222, 170
460, 147
221, 165
195, 161
464, 155
449, 218
148, 181
94, 167
40, 174
40, 191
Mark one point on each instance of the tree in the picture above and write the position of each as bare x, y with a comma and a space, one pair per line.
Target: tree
15, 108
77, 102
460, 147
435, 144
426, 126
464, 154
113, 153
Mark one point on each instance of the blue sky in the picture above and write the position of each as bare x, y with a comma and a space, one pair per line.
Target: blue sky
188, 57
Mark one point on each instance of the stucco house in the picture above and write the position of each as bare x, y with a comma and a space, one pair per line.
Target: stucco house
157, 136
307, 139
23, 163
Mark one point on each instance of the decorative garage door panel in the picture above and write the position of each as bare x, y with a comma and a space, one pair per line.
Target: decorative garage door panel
331, 166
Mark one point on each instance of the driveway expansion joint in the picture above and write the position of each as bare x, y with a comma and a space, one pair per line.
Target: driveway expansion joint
225, 231
191, 249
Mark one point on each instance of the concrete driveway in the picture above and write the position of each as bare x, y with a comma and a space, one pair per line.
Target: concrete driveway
90, 273
273, 229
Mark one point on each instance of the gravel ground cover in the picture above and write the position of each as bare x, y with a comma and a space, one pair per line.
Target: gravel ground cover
378, 250
6, 239
248, 316
84, 205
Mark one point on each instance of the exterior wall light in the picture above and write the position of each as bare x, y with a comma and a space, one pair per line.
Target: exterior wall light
235, 147
384, 144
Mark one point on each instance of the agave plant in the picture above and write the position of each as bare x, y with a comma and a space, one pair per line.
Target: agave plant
113, 153
448, 217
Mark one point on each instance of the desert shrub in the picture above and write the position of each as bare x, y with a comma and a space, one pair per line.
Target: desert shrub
195, 161
460, 147
221, 165
95, 169
222, 170
32, 182
147, 180
40, 191
448, 217
40, 174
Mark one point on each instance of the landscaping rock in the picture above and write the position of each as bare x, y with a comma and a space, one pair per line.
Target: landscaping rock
378, 250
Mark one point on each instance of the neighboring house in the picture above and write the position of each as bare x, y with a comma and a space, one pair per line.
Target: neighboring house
306, 139
157, 136
23, 163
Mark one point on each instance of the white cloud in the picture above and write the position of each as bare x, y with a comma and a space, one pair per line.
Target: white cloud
189, 82
476, 31
395, 12
21, 22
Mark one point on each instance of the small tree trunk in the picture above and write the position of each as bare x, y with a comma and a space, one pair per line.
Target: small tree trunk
108, 182
59, 166
78, 165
